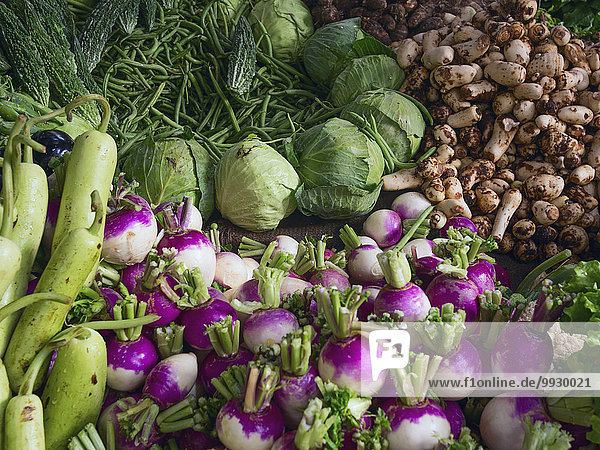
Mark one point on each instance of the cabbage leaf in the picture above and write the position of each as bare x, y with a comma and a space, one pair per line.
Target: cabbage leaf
366, 74
169, 169
336, 202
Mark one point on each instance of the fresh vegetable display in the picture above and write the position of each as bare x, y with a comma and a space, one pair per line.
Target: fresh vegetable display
208, 209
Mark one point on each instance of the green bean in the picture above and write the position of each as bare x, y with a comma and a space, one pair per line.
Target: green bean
217, 114
228, 107
263, 110
164, 117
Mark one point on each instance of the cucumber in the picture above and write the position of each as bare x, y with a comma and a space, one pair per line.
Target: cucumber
5, 396
74, 393
148, 13
65, 85
97, 29
4, 64
23, 424
129, 17
23, 55
242, 60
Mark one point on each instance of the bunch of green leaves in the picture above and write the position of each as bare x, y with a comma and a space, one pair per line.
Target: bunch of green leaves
582, 18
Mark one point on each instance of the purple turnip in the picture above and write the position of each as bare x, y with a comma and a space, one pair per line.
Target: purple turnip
455, 417
297, 385
344, 359
502, 423
167, 384
192, 247
253, 422
130, 229
410, 205
130, 355
362, 264
461, 292
399, 294
326, 273
225, 338
458, 223
384, 226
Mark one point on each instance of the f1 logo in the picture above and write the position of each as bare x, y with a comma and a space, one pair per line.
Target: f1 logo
388, 349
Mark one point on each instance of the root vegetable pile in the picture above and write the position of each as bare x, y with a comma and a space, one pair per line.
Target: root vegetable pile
517, 117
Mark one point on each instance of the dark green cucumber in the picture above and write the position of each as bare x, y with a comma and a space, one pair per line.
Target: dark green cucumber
242, 60
97, 29
148, 13
59, 62
4, 64
23, 55
129, 17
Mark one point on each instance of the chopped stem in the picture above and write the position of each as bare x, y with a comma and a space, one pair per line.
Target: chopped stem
339, 309
349, 238
184, 213
545, 435
195, 290
167, 414
314, 425
269, 285
250, 248
261, 384
213, 235
169, 339
412, 381
395, 267
296, 350
442, 331
231, 382
224, 336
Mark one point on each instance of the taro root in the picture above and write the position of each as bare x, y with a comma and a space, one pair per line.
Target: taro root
524, 229
543, 187
525, 251
574, 238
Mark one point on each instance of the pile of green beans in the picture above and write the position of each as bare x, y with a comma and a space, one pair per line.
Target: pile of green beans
173, 79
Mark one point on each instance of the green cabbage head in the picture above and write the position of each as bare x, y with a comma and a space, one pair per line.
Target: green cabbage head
399, 121
255, 186
287, 22
340, 168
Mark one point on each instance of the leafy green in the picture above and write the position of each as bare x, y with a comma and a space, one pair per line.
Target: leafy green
581, 17
399, 121
326, 52
374, 438
541, 435
288, 24
585, 284
463, 442
169, 169
365, 74
255, 185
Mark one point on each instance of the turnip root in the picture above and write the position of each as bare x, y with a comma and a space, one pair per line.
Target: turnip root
505, 73
477, 171
505, 129
543, 187
577, 114
517, 51
545, 213
465, 118
453, 76
511, 200
546, 64
582, 175
402, 179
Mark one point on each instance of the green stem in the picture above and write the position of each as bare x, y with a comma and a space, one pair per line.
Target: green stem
27, 300
313, 427
408, 236
269, 285
412, 381
527, 283
59, 340
231, 382
121, 324
8, 179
